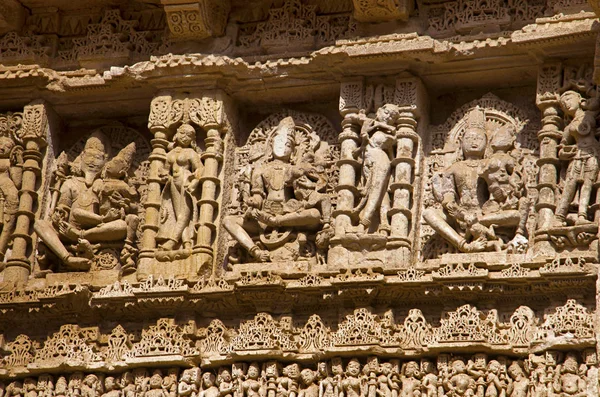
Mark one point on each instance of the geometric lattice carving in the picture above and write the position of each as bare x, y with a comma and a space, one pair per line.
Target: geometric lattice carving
216, 338
360, 328
469, 324
164, 338
571, 319
314, 336
21, 352
70, 344
263, 333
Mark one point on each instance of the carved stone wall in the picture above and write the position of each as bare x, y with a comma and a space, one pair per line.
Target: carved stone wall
299, 198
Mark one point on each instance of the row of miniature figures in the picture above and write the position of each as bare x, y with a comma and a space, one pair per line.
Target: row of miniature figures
564, 374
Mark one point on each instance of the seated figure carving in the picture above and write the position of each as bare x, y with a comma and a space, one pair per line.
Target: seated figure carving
478, 195
96, 207
284, 203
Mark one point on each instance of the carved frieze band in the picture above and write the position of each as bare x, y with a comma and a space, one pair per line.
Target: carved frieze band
404, 333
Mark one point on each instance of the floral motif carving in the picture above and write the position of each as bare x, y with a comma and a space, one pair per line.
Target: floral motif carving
164, 338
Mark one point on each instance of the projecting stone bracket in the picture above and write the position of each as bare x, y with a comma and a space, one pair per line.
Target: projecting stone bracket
196, 19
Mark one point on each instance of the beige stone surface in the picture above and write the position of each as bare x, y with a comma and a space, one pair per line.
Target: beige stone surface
299, 198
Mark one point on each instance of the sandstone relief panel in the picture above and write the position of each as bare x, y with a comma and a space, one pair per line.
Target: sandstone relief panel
282, 206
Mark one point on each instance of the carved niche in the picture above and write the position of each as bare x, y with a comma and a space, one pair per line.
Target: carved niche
380, 148
94, 215
286, 174
480, 179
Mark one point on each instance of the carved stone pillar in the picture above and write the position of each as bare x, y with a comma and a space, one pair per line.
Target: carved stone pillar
549, 83
410, 97
34, 134
168, 113
212, 117
351, 101
158, 124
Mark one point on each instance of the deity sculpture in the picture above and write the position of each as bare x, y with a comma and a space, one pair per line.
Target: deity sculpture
209, 389
458, 383
411, 384
581, 149
14, 389
284, 203
309, 387
467, 220
520, 383
384, 381
155, 385
495, 380
10, 182
127, 384
29, 388
251, 386
91, 386
376, 152
352, 385
567, 380
186, 387
61, 387
225, 382
111, 388
430, 382
96, 206
181, 179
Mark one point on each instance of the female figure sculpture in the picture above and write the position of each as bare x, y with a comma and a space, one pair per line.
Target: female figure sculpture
181, 177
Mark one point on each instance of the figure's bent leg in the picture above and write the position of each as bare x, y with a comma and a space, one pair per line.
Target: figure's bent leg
374, 196
586, 191
111, 231
182, 205
439, 222
6, 231
49, 236
304, 218
501, 218
233, 224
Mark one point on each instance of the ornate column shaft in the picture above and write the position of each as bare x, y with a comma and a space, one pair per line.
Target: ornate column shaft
549, 82
33, 133
211, 116
351, 98
410, 97
158, 124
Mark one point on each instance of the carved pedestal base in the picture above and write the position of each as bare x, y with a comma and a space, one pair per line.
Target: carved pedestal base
98, 278
366, 250
186, 267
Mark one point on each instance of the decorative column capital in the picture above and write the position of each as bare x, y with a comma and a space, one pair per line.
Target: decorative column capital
548, 84
410, 95
351, 96
196, 19
160, 111
35, 123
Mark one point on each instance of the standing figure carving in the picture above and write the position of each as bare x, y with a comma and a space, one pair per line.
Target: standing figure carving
94, 223
284, 208
181, 181
481, 193
11, 172
376, 152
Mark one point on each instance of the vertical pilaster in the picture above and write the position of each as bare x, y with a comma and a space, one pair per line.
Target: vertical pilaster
33, 134
351, 101
158, 124
211, 115
410, 96
549, 83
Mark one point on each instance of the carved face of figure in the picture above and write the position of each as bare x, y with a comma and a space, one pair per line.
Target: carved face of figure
225, 375
412, 369
322, 368
90, 380
109, 383
386, 368
208, 379
155, 381
253, 371
515, 371
127, 379
61, 386
494, 367
387, 114
570, 365
458, 366
283, 140
293, 371
6, 145
570, 101
474, 143
353, 368
186, 134
308, 376
186, 377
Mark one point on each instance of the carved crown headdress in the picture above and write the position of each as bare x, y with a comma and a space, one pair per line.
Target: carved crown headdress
476, 119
